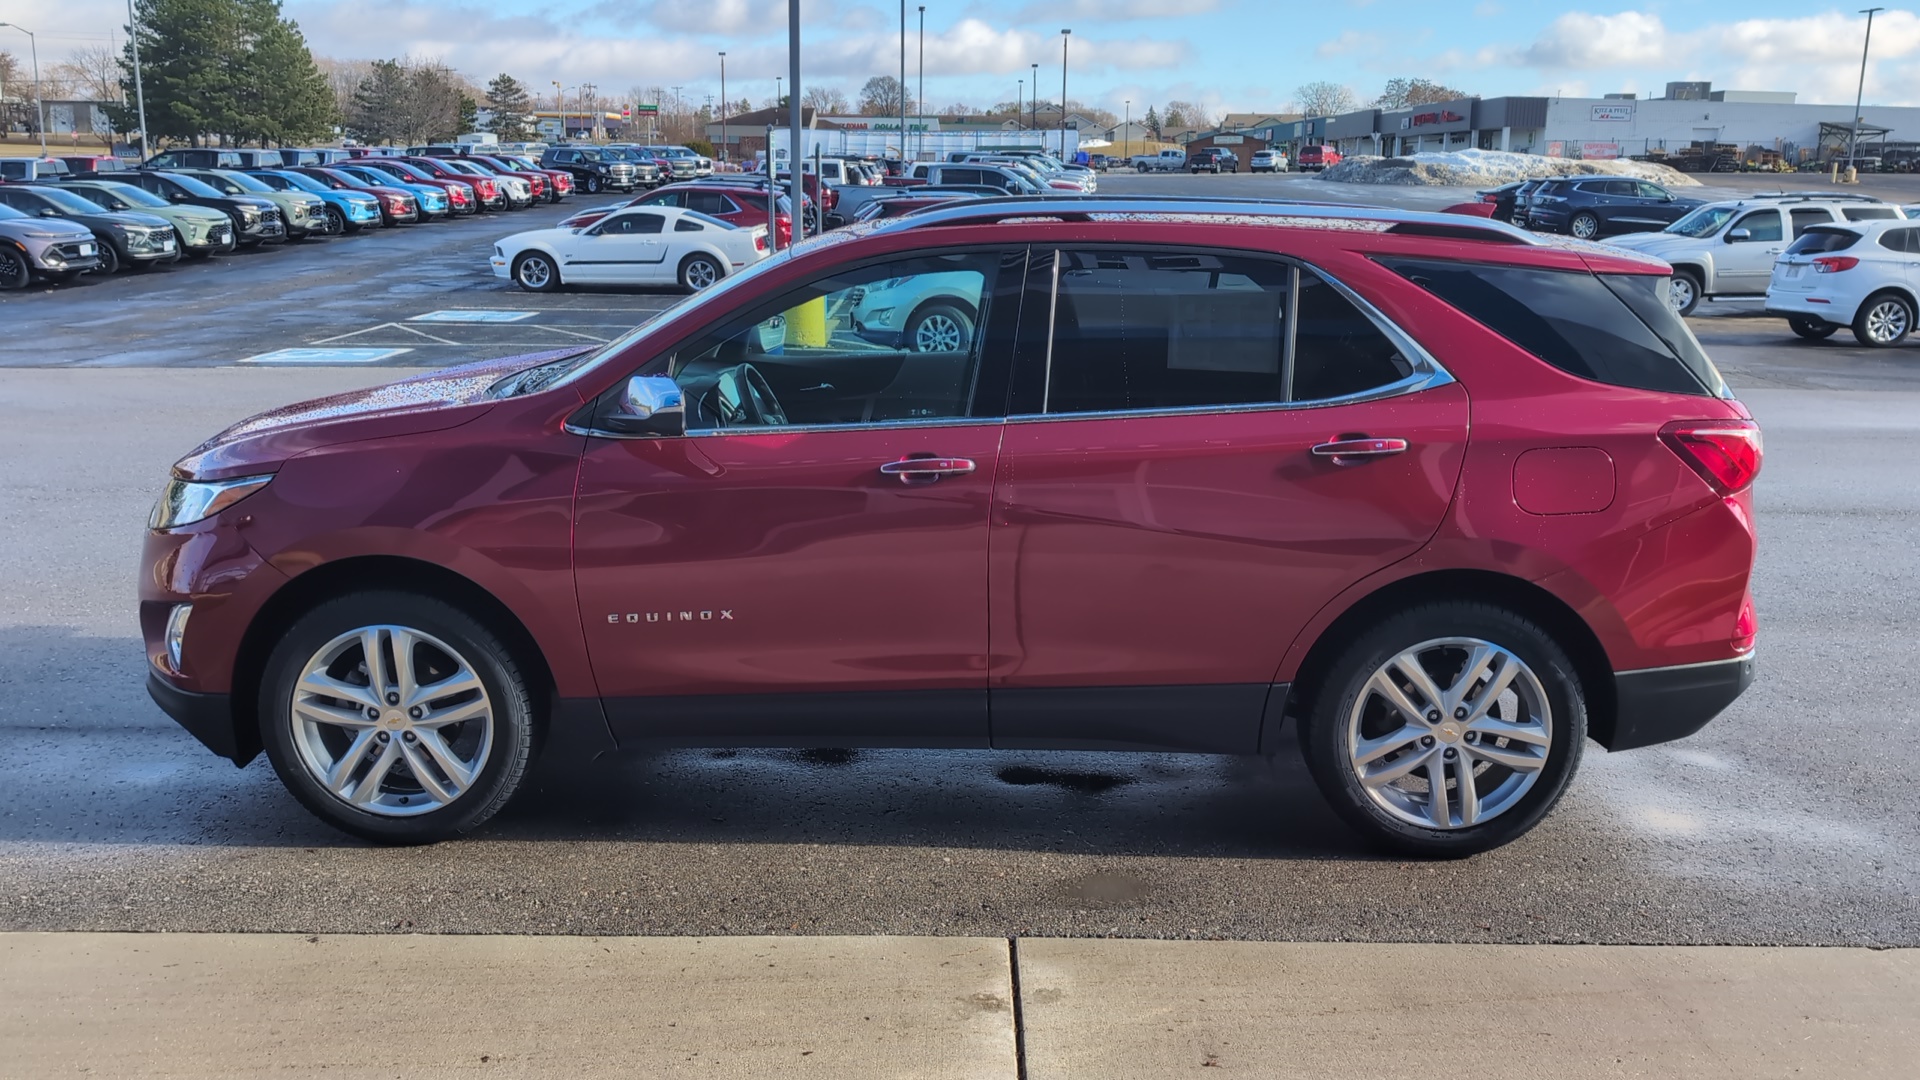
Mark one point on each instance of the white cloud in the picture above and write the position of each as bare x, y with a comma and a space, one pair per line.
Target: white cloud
1582, 41
1350, 41
1112, 10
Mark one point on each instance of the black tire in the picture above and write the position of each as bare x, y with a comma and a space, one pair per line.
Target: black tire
1883, 321
1330, 697
1686, 289
1584, 226
513, 717
593, 185
527, 272
942, 323
336, 222
1140, 168
1810, 328
693, 278
14, 271
109, 260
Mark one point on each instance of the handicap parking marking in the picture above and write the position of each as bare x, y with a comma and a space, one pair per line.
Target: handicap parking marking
324, 356
473, 315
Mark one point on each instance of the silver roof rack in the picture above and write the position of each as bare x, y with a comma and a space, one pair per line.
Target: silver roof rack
1082, 207
1805, 196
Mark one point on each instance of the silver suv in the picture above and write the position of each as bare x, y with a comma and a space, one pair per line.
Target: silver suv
1726, 250
49, 247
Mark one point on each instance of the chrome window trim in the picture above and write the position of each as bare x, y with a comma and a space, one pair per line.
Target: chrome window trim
1427, 372
924, 422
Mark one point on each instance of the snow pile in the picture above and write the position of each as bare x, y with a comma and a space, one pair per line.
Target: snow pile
1488, 168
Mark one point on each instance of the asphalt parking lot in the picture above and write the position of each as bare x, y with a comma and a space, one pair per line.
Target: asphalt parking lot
1789, 820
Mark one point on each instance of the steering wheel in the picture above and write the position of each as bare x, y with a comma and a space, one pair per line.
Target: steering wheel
757, 406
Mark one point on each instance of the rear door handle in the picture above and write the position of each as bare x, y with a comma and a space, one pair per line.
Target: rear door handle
925, 470
1356, 450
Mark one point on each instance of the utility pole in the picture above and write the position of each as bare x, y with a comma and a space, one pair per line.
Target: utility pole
677, 106
920, 95
39, 105
139, 92
723, 106
560, 102
793, 128
1064, 35
1859, 95
903, 86
1127, 127
592, 125
1034, 123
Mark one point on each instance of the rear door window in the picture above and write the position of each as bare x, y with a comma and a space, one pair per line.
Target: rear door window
1595, 328
1902, 240
1807, 217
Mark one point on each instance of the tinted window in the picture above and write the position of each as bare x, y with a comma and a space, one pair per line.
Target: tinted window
1650, 191
1762, 225
1870, 213
666, 198
688, 225
1338, 350
1572, 320
1155, 331
1809, 216
1622, 188
638, 224
894, 341
1907, 240
1817, 241
709, 202
962, 176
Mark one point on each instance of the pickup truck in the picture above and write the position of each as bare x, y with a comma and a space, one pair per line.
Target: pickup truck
1164, 161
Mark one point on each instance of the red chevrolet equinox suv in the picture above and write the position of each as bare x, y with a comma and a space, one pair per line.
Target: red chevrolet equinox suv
1436, 498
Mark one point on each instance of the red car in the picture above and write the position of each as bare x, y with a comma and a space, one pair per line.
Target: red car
1316, 158
488, 191
398, 206
1436, 500
558, 181
743, 206
461, 196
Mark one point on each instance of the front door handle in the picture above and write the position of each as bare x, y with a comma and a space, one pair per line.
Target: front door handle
926, 470
1355, 450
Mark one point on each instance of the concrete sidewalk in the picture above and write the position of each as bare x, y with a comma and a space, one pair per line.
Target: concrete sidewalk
220, 1005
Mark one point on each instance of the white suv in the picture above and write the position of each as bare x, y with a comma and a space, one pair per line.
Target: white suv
1269, 161
1727, 249
1864, 275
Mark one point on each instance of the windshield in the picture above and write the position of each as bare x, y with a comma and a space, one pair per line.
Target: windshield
1702, 222
8, 213
71, 203
132, 195
350, 179
402, 168
304, 183
709, 219
193, 186
467, 167
245, 182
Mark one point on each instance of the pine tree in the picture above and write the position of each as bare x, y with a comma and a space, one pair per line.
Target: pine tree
1152, 121
469, 115
512, 108
380, 104
233, 68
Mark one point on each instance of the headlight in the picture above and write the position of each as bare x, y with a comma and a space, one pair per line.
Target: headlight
187, 501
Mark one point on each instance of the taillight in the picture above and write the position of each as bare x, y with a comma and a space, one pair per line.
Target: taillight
760, 241
1726, 453
1833, 264
1746, 627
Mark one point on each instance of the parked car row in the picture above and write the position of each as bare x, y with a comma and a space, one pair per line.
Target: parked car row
58, 222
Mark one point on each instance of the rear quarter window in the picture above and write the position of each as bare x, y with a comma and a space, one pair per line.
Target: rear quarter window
1870, 213
1613, 329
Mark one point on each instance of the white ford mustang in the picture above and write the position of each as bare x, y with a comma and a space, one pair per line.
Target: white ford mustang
642, 245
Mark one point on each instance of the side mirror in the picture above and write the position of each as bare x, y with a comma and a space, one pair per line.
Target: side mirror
649, 405
1738, 236
178, 196
49, 212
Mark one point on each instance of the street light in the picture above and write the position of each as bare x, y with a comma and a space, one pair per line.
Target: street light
139, 92
1853, 144
723, 106
560, 100
585, 89
1064, 35
1126, 127
920, 95
1034, 102
1019, 100
39, 106
903, 86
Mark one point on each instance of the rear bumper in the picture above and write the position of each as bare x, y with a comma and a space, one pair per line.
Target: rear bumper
208, 717
1657, 705
1831, 309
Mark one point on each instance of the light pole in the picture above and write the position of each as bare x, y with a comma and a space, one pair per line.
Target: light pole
1033, 103
1019, 100
920, 95
585, 89
139, 92
1859, 95
560, 102
793, 128
1064, 35
1127, 127
903, 86
39, 106
723, 106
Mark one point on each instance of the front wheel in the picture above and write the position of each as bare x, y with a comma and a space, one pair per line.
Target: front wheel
396, 717
1445, 730
699, 272
336, 222
535, 272
1883, 321
939, 328
1683, 292
594, 185
1810, 328
109, 260
14, 271
1584, 226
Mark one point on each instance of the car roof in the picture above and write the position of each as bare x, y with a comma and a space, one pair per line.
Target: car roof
1866, 227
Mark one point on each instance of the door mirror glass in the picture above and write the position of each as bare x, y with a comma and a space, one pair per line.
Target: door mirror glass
49, 212
1739, 235
648, 405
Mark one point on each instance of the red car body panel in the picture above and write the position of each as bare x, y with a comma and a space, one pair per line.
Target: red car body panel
1120, 552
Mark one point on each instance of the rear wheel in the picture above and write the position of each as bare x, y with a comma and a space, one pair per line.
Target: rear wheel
1584, 226
535, 272
1445, 730
699, 272
1883, 321
1683, 293
396, 717
1811, 328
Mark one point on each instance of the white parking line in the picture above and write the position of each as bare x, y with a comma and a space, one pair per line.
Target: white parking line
473, 315
323, 356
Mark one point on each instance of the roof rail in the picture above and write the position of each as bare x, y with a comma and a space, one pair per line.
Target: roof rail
1081, 208
1837, 196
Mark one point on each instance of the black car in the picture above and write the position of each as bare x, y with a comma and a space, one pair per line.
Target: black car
255, 220
1503, 198
1593, 206
1213, 159
594, 170
195, 158
126, 239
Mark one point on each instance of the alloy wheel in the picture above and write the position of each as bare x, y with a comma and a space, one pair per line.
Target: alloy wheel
1680, 294
535, 272
13, 271
700, 274
1585, 227
392, 721
1888, 321
938, 332
1449, 733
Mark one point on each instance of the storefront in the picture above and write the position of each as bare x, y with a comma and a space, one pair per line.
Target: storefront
1442, 125
1355, 132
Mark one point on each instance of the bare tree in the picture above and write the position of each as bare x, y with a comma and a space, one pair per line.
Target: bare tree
1404, 92
1324, 99
93, 72
826, 100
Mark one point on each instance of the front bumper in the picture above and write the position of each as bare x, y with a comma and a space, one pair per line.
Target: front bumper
68, 255
1659, 705
264, 231
208, 717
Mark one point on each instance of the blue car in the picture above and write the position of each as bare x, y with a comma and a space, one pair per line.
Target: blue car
353, 210
433, 200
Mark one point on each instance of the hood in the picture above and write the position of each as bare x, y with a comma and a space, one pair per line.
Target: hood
1653, 243
431, 402
201, 214
46, 228
138, 217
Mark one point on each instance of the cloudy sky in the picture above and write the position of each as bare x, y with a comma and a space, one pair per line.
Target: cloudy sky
1243, 55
